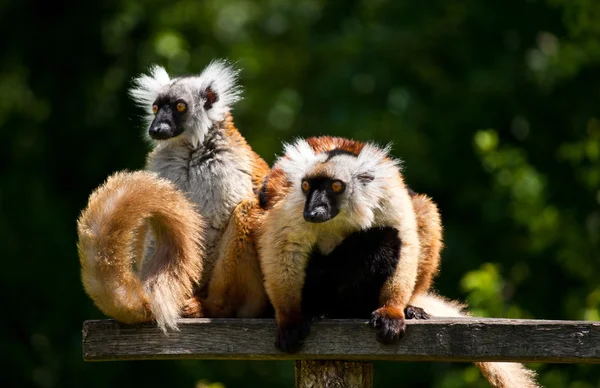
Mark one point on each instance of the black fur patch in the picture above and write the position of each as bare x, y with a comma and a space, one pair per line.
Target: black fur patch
338, 151
347, 282
263, 198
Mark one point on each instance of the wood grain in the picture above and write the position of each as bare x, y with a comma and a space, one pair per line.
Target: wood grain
338, 374
457, 339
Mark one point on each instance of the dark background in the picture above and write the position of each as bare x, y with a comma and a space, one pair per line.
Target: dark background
493, 105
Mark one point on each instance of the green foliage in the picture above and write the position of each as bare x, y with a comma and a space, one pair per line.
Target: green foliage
493, 106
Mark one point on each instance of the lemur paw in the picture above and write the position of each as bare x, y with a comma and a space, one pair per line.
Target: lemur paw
192, 309
290, 336
413, 312
390, 325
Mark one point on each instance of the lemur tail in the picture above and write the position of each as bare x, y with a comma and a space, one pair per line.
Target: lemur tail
112, 232
499, 374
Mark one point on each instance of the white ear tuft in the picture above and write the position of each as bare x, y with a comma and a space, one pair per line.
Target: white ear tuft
377, 161
218, 85
147, 87
299, 156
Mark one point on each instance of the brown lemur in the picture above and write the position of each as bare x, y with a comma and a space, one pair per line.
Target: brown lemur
332, 244
369, 192
198, 148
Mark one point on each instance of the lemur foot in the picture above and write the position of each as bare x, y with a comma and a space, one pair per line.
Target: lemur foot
290, 336
390, 325
413, 312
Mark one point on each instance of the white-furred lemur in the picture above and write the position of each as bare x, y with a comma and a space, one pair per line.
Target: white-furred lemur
198, 148
344, 237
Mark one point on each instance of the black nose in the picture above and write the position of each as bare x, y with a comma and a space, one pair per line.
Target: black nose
318, 214
160, 131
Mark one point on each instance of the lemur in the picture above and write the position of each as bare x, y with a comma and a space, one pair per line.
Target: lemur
311, 206
198, 148
335, 240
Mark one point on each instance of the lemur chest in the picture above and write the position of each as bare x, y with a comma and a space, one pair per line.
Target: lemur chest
327, 241
215, 184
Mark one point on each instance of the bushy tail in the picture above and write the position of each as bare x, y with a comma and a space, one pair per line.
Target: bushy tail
111, 232
499, 374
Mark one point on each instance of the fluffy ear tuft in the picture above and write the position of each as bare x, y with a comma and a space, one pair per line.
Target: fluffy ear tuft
147, 87
376, 162
218, 87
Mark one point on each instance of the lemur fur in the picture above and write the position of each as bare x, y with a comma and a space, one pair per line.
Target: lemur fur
372, 194
199, 149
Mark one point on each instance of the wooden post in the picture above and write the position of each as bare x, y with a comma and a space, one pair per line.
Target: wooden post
333, 374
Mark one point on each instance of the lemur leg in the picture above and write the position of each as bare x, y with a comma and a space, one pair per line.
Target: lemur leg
284, 268
236, 284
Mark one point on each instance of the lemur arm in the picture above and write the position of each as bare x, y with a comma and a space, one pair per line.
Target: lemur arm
398, 289
283, 263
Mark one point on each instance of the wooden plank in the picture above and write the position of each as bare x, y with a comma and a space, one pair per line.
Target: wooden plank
339, 374
457, 339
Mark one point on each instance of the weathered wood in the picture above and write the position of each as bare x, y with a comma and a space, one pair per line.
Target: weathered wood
457, 339
330, 374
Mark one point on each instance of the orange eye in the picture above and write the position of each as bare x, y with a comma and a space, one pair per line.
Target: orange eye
305, 186
181, 107
155, 109
337, 187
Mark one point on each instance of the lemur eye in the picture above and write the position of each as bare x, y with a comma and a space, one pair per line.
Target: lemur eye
155, 109
181, 107
337, 187
305, 186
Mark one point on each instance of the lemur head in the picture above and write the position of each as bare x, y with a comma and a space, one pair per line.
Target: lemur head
345, 180
186, 108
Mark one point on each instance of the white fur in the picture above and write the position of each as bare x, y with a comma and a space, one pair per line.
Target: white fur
147, 88
216, 188
222, 78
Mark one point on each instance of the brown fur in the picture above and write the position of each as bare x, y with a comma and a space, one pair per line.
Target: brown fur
236, 286
260, 168
110, 229
429, 226
328, 143
275, 188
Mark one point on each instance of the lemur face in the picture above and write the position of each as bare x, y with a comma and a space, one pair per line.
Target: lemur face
322, 198
176, 110
186, 108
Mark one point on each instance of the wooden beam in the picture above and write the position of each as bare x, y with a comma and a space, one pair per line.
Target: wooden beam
456, 339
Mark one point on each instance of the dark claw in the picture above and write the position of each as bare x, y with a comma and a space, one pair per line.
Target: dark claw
289, 338
389, 330
413, 312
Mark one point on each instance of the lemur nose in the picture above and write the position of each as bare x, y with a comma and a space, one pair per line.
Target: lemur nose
316, 215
